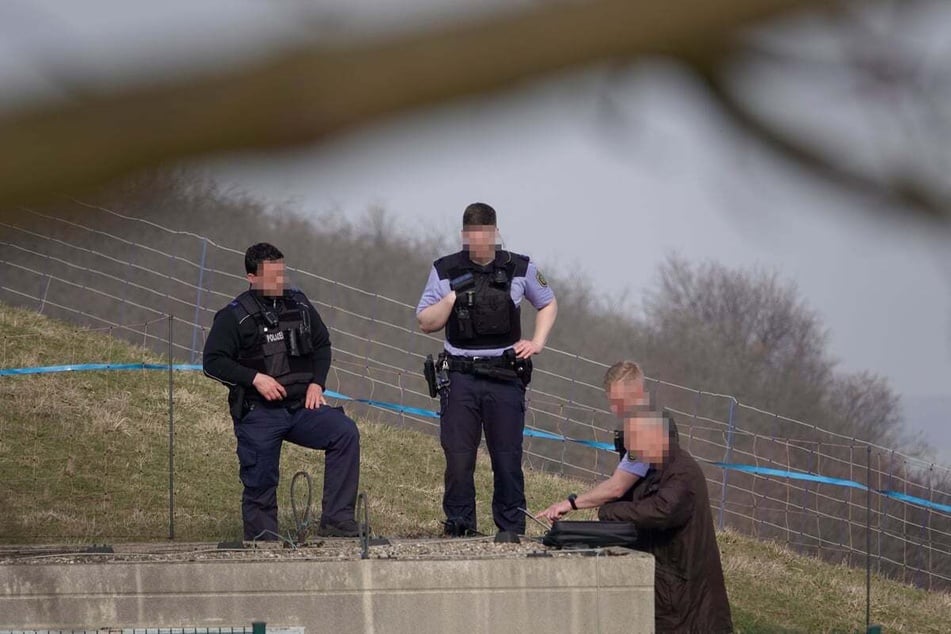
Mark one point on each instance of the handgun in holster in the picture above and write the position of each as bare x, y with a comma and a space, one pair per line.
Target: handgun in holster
436, 373
236, 402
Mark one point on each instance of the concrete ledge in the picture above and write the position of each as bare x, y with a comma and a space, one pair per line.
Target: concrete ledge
563, 594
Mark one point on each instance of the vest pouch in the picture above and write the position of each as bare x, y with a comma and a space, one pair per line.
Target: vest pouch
491, 315
464, 321
276, 363
297, 344
304, 343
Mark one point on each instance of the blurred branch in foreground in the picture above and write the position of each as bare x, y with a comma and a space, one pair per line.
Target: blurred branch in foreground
308, 94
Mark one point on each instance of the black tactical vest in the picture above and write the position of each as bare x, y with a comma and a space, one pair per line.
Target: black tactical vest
283, 348
484, 316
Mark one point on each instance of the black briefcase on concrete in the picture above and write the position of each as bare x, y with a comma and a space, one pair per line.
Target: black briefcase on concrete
590, 534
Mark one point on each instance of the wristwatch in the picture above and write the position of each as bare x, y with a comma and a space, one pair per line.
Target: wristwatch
571, 501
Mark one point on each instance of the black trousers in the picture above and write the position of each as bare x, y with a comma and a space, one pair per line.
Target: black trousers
498, 407
261, 433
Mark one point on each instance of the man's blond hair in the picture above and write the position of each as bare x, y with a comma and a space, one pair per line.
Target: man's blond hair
622, 371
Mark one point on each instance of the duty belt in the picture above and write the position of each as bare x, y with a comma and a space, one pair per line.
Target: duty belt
469, 365
504, 368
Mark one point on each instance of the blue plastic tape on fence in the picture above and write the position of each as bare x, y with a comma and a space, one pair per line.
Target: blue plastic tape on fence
537, 433
84, 367
394, 407
792, 475
799, 475
904, 497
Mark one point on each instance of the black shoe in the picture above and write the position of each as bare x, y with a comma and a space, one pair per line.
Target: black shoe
455, 527
347, 528
507, 537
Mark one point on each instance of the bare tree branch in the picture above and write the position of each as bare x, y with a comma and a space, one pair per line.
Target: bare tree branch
895, 192
308, 94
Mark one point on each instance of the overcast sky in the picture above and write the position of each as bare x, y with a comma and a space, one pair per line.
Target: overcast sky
609, 190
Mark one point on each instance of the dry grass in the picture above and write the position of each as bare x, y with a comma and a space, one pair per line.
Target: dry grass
773, 589
84, 457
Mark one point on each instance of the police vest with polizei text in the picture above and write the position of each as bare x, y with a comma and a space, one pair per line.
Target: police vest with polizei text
283, 348
485, 316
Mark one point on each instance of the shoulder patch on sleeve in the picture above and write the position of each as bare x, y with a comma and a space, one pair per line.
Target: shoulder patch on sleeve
541, 278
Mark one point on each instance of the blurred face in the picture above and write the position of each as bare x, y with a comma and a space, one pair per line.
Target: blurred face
480, 241
645, 436
269, 279
627, 397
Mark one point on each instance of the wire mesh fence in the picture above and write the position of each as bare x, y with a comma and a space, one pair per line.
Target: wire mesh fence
159, 288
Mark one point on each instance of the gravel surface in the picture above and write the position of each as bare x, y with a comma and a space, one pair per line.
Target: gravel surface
318, 550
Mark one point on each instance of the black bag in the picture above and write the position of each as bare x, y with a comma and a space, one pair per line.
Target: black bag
590, 534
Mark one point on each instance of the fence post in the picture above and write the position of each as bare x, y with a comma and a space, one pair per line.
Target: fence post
868, 536
728, 458
171, 438
201, 279
930, 531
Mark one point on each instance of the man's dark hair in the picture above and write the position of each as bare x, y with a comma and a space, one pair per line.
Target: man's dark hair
478, 214
258, 253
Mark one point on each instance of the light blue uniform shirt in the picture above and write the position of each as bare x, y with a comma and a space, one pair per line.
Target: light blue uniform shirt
532, 286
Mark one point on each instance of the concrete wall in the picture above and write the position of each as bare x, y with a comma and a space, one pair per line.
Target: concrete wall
544, 594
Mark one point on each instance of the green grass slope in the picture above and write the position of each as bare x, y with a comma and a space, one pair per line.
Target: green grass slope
84, 458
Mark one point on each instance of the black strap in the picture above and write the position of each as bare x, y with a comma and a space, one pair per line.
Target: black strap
251, 306
468, 365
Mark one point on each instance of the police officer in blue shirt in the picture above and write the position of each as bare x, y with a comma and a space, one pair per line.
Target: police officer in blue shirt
272, 350
629, 399
476, 294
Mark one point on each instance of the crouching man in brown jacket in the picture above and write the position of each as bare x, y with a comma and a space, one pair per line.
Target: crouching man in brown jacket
670, 508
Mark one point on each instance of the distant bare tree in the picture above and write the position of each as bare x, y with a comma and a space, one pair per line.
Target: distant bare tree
867, 407
745, 332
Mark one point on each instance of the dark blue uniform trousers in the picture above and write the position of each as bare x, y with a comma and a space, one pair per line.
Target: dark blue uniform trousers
473, 404
260, 435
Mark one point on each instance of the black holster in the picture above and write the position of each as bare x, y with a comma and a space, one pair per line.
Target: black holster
437, 374
236, 402
429, 371
521, 367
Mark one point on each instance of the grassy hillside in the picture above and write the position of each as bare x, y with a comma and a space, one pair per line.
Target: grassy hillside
84, 457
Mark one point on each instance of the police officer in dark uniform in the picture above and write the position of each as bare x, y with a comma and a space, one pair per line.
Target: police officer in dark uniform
476, 295
270, 347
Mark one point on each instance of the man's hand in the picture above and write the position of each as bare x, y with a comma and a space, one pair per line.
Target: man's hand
556, 511
269, 388
524, 348
315, 397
